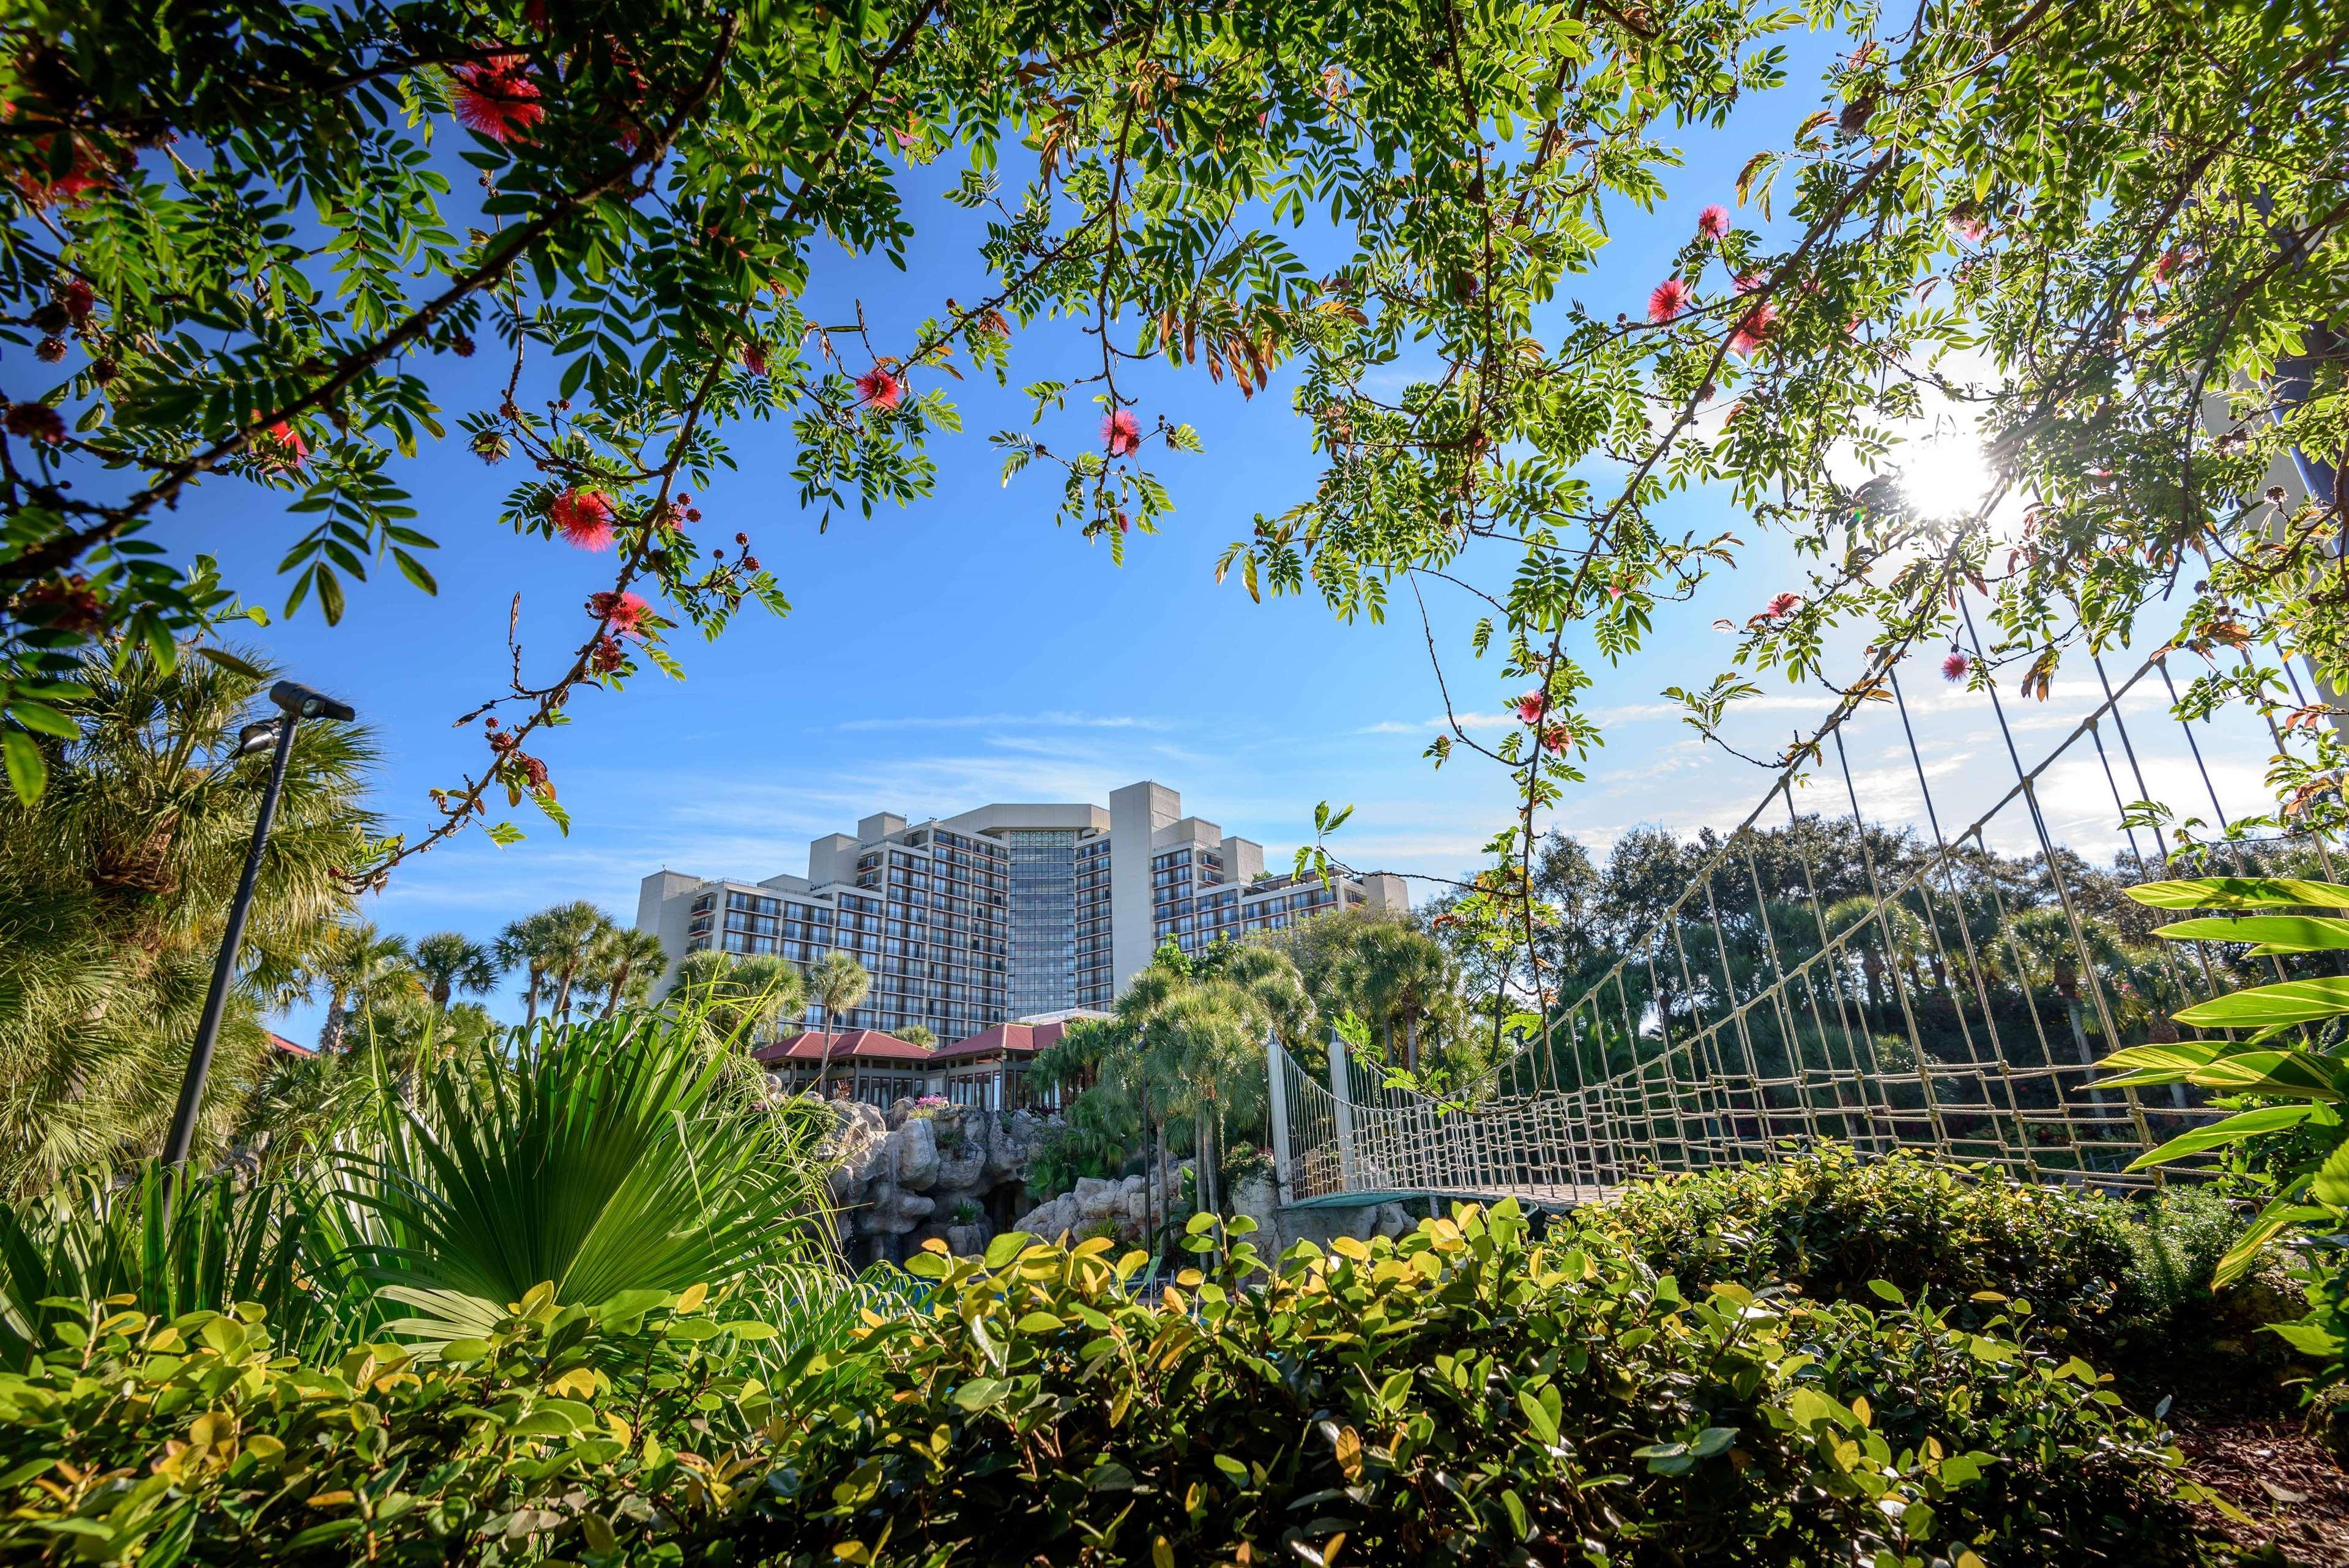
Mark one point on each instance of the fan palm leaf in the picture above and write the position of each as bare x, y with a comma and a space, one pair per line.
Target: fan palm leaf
601, 1158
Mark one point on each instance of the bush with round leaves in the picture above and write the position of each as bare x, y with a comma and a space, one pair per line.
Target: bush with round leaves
1465, 1394
1830, 1219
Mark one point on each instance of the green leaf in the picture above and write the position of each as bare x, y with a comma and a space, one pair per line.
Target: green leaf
29, 770
2274, 932
979, 1393
231, 663
2278, 1217
48, 721
2264, 1006
2330, 1183
2234, 1130
415, 572
2295, 1074
2241, 893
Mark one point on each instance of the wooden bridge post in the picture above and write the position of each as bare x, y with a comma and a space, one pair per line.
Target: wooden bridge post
1273, 1059
1342, 1111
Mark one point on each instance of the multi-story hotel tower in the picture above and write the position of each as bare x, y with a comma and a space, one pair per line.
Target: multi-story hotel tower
1006, 912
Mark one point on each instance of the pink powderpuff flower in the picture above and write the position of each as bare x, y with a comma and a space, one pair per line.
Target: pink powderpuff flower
1556, 740
1754, 330
623, 612
879, 389
1781, 606
1531, 705
1955, 666
1120, 433
2165, 265
496, 98
583, 517
1713, 221
1670, 298
1748, 281
754, 356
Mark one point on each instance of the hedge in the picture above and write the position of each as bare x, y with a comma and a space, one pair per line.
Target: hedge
1830, 1220
1466, 1394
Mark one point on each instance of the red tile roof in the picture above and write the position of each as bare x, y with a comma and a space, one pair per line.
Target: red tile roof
278, 1042
849, 1044
1004, 1039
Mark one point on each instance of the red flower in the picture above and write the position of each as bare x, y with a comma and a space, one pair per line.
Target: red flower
79, 299
879, 388
1955, 666
1713, 221
281, 447
583, 517
607, 656
1121, 432
71, 605
1555, 741
1748, 281
754, 357
496, 98
1783, 605
1531, 705
36, 421
2167, 264
1670, 298
623, 612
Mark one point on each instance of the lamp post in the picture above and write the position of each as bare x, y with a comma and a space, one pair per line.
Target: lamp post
298, 703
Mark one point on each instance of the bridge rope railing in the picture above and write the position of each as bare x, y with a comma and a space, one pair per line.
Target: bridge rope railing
1839, 976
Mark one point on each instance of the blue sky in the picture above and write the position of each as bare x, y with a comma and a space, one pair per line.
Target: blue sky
965, 650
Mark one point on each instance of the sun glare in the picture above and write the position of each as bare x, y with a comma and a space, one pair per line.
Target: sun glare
1945, 476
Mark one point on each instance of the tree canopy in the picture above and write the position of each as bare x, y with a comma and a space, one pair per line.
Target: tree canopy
2109, 235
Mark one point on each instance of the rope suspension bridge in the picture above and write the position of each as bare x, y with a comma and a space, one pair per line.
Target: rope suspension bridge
1887, 978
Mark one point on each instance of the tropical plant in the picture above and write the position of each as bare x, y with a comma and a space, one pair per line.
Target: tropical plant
1457, 1396
918, 1035
551, 947
454, 964
2284, 1073
175, 1242
622, 966
738, 998
837, 984
601, 1158
361, 968
117, 882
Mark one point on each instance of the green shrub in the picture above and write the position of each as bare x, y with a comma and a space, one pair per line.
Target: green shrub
567, 1433
1466, 1395
2181, 1233
1830, 1219
1463, 1395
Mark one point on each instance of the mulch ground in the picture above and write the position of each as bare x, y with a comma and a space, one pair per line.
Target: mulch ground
2297, 1498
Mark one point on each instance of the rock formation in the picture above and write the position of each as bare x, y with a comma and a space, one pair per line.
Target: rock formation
1116, 1207
918, 1170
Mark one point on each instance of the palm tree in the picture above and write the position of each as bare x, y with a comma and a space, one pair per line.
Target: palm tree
622, 966
1395, 977
551, 947
453, 963
118, 880
738, 996
918, 1035
837, 984
360, 966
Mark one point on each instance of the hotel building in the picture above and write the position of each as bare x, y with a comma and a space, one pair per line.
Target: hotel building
1006, 912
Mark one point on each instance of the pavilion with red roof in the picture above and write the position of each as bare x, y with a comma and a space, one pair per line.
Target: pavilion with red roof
873, 1067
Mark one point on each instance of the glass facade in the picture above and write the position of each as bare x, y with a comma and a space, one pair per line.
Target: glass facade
1043, 925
